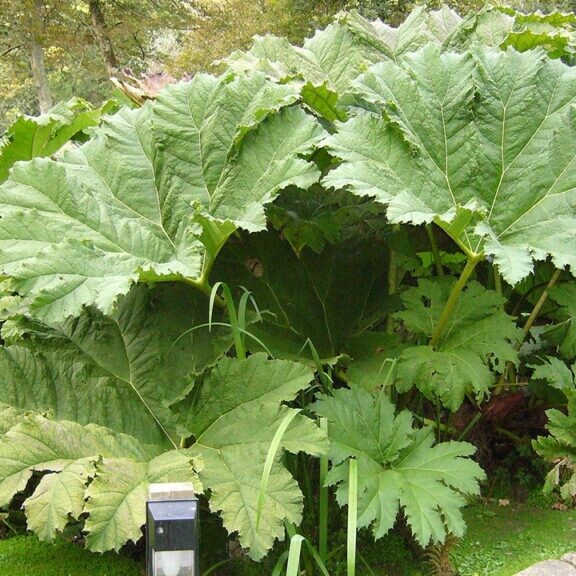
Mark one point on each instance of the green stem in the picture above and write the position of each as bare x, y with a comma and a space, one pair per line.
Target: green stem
504, 379
437, 417
498, 285
204, 286
540, 303
352, 518
470, 425
503, 432
323, 500
473, 259
435, 251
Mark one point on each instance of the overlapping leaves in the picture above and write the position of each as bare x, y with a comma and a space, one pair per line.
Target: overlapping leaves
563, 333
554, 32
154, 195
326, 298
479, 341
398, 466
326, 65
30, 137
560, 448
95, 471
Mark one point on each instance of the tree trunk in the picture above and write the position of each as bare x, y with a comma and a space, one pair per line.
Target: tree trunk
37, 57
104, 42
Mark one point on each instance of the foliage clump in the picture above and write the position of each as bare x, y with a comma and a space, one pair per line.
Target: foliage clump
398, 202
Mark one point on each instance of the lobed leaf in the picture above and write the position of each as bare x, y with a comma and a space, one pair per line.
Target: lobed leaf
154, 195
236, 395
480, 339
560, 448
398, 466
30, 137
443, 133
563, 333
117, 495
555, 372
121, 371
87, 470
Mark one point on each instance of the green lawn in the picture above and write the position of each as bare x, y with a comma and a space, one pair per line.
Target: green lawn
26, 556
503, 540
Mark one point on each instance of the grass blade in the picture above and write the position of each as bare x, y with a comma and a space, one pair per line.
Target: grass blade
216, 566
279, 566
242, 305
323, 500
366, 565
352, 518
272, 451
324, 377
291, 531
227, 325
317, 559
293, 567
234, 324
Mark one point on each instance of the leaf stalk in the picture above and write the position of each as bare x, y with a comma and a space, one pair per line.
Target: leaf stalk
435, 251
473, 260
323, 500
541, 301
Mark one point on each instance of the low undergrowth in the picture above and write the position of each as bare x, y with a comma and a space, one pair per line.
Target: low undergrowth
500, 541
345, 266
504, 540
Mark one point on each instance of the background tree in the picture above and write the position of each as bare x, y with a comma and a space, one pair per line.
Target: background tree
77, 43
214, 33
56, 49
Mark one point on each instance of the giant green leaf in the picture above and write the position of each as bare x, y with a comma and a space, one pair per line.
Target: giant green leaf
554, 32
419, 28
483, 143
154, 195
488, 27
121, 371
398, 466
326, 64
338, 54
333, 57
479, 341
87, 469
234, 422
